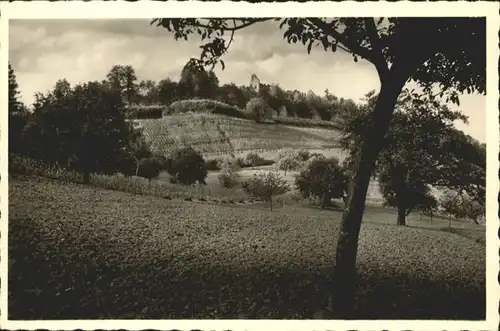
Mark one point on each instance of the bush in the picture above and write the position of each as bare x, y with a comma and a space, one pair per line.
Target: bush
144, 112
228, 179
186, 166
323, 178
265, 186
253, 159
151, 167
258, 110
203, 106
229, 163
212, 164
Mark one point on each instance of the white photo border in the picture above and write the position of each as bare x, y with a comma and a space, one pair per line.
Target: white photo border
149, 9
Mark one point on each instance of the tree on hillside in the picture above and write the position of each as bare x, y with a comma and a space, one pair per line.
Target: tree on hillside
232, 95
258, 109
148, 92
124, 79
266, 186
324, 179
196, 82
84, 129
168, 91
18, 115
448, 52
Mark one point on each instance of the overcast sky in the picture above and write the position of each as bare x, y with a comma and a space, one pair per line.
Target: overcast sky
43, 51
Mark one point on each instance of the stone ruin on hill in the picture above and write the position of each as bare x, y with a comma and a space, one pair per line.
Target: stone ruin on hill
255, 82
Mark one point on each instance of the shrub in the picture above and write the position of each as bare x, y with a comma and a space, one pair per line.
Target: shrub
265, 186
252, 158
212, 164
203, 106
230, 163
323, 178
144, 112
151, 167
228, 179
258, 110
186, 166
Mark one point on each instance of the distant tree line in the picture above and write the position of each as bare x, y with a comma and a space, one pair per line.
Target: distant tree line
198, 83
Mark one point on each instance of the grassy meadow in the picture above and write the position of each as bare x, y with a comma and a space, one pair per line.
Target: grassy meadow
84, 252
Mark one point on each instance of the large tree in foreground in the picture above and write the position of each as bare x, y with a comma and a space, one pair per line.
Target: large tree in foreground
449, 53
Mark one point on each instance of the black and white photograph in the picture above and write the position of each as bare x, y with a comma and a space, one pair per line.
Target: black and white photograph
242, 167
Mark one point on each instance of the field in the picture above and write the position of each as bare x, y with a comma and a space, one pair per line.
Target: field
81, 252
218, 134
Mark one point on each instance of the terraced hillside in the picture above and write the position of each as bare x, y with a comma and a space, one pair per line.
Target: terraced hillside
218, 134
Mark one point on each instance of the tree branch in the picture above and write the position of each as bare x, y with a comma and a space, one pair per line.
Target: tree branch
353, 47
378, 56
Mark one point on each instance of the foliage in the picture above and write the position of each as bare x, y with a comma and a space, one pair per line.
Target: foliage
412, 156
187, 166
252, 158
228, 178
229, 163
461, 206
265, 186
258, 110
145, 111
18, 115
151, 167
196, 82
323, 178
123, 79
202, 106
288, 163
68, 122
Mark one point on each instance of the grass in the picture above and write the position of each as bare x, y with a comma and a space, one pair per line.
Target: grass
218, 134
81, 252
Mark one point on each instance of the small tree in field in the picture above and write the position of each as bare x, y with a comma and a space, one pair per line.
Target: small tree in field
288, 163
428, 206
252, 158
450, 202
187, 166
150, 168
265, 186
228, 179
323, 178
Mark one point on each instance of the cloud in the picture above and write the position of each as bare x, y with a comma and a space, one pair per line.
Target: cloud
43, 51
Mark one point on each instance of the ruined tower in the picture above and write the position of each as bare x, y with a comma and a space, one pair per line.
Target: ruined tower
255, 82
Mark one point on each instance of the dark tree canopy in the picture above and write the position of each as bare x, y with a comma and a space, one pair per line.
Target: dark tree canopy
186, 166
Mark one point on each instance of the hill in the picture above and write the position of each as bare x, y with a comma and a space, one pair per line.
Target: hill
213, 134
75, 249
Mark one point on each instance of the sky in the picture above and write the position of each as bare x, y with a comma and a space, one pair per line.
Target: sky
43, 51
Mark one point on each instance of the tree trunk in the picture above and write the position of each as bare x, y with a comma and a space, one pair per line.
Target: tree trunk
271, 203
324, 202
86, 177
345, 267
401, 216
